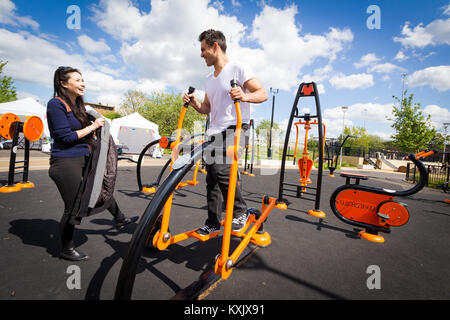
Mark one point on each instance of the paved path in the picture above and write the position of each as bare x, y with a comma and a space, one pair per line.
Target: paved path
308, 258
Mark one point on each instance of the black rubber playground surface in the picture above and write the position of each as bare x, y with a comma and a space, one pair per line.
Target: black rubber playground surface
309, 258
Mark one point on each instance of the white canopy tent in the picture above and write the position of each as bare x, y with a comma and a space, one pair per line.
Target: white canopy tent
134, 132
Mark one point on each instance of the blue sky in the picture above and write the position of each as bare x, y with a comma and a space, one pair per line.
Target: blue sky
152, 45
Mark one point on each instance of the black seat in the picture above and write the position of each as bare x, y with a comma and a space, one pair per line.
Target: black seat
355, 176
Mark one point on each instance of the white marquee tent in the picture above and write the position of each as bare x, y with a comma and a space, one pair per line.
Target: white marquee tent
134, 132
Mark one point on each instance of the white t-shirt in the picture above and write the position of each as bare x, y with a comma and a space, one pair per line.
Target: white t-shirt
223, 113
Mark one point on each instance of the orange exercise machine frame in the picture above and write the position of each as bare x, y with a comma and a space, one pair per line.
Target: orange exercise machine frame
165, 142
153, 228
374, 209
10, 128
305, 164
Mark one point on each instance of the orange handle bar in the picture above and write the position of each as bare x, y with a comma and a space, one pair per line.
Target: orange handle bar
423, 154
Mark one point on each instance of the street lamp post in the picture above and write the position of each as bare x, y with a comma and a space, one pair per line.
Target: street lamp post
269, 150
344, 110
446, 124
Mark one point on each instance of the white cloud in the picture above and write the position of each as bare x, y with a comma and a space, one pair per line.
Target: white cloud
218, 5
371, 61
367, 60
357, 114
91, 46
436, 77
385, 135
435, 33
385, 68
171, 52
400, 56
102, 83
8, 16
353, 81
318, 75
236, 4
439, 115
23, 95
39, 67
375, 112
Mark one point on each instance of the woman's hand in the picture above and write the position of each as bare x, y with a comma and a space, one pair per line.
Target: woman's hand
99, 122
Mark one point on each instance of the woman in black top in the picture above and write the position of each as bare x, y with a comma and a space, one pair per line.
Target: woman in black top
72, 131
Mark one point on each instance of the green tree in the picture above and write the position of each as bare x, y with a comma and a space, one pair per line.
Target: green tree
413, 130
132, 101
111, 115
361, 139
164, 109
7, 90
264, 126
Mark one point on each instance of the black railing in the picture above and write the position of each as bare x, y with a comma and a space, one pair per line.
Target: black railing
438, 175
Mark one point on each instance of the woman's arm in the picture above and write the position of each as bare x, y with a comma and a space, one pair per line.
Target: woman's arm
100, 122
60, 126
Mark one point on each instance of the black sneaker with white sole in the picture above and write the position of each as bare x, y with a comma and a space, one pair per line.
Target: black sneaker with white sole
239, 223
207, 230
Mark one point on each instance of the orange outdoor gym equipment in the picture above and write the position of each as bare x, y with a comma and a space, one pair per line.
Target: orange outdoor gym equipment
166, 142
153, 228
374, 209
10, 128
305, 164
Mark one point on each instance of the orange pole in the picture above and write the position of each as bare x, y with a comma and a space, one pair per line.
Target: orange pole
168, 204
231, 189
296, 141
307, 128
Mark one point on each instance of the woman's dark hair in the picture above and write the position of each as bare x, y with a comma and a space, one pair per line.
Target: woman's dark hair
62, 74
210, 36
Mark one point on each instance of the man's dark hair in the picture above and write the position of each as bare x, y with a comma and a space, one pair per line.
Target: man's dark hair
210, 36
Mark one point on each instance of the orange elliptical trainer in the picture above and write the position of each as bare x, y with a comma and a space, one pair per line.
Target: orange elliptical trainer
164, 142
153, 228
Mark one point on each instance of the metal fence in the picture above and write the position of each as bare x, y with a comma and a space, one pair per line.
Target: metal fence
438, 175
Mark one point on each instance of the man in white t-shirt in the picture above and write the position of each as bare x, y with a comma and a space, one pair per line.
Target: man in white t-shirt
218, 103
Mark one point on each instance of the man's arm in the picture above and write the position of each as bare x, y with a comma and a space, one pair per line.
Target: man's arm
257, 93
203, 108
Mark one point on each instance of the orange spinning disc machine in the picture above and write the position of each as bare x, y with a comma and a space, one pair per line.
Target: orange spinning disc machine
10, 128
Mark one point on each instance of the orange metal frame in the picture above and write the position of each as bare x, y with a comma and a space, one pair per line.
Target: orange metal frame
305, 163
371, 208
226, 260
